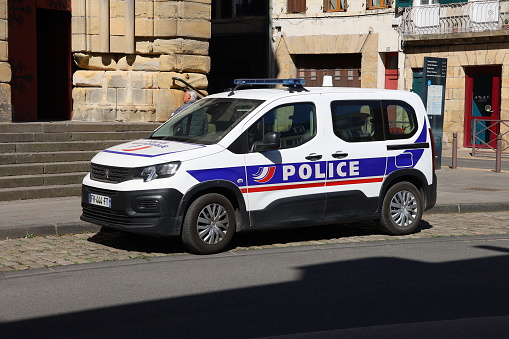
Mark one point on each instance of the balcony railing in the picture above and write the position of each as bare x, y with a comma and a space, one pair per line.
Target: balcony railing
473, 16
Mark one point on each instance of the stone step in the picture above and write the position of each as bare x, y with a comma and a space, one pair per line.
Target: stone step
71, 136
59, 127
58, 146
38, 192
50, 159
41, 180
45, 157
44, 168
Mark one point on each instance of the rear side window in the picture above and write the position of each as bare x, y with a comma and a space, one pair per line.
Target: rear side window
401, 120
355, 121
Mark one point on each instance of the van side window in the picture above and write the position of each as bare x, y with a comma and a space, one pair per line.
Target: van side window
355, 120
295, 122
401, 120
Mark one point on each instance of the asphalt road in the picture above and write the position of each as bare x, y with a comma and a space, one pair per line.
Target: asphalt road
453, 287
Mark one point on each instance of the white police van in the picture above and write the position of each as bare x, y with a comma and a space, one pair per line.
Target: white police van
263, 158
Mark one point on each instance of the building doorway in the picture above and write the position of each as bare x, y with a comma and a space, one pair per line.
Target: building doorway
40, 59
391, 70
482, 101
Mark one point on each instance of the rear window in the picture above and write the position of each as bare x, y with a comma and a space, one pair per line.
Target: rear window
401, 120
373, 120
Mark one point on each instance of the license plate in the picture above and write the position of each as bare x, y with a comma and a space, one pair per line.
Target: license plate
99, 200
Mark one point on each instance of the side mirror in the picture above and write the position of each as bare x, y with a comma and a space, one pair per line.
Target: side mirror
271, 141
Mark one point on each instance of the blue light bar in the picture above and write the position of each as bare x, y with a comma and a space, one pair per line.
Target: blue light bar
295, 82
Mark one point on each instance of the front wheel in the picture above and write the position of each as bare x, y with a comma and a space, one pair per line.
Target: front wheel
402, 209
209, 224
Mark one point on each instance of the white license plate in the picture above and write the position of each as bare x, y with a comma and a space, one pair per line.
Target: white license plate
99, 200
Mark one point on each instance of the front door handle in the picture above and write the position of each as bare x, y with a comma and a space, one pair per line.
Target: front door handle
339, 155
314, 156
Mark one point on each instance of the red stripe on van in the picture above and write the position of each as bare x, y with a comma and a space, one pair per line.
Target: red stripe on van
284, 187
353, 182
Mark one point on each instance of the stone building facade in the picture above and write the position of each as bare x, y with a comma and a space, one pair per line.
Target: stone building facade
170, 40
476, 47
354, 41
125, 56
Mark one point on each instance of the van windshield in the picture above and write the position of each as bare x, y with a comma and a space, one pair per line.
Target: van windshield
207, 121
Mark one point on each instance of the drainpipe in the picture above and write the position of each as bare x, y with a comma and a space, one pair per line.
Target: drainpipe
129, 27
104, 30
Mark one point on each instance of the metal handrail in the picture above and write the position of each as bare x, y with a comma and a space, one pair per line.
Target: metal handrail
471, 16
493, 129
190, 86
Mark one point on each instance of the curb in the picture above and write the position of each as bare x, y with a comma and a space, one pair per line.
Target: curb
47, 229
469, 208
85, 227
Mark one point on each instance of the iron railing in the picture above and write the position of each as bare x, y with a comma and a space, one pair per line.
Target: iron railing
485, 133
472, 16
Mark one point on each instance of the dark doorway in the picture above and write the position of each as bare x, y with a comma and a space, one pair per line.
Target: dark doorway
53, 64
240, 43
40, 59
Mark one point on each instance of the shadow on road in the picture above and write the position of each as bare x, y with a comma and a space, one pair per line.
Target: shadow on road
133, 242
380, 297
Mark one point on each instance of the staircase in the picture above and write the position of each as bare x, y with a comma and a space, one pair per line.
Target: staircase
50, 159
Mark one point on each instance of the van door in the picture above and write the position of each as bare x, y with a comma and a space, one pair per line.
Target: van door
286, 185
356, 156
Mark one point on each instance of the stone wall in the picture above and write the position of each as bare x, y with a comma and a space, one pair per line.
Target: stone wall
5, 68
458, 58
171, 40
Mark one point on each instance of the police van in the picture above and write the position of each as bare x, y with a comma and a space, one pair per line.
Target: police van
252, 159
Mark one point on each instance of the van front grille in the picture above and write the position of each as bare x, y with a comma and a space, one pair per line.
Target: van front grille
109, 173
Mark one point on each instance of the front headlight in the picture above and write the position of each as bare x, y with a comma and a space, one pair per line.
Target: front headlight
157, 171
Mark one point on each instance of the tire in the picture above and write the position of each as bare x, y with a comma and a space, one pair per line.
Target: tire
402, 209
209, 224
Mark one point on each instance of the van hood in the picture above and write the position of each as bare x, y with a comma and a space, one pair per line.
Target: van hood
146, 152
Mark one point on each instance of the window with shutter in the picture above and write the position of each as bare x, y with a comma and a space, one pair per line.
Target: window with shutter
403, 3
296, 6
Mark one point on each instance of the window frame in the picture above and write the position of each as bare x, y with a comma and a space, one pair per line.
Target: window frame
369, 4
326, 6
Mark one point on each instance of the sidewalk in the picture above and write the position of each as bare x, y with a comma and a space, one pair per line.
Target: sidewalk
459, 191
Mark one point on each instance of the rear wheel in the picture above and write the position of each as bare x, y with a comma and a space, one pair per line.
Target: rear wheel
209, 224
402, 209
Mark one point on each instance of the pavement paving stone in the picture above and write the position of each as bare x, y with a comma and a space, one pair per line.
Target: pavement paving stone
49, 251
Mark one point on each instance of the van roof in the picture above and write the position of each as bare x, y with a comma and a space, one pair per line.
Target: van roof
274, 93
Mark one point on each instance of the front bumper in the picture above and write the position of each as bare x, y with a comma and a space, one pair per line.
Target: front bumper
150, 212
